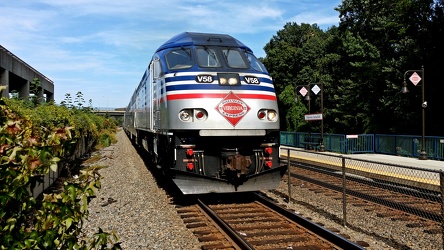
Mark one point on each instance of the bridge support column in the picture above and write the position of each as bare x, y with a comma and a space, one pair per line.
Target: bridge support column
24, 90
49, 96
4, 81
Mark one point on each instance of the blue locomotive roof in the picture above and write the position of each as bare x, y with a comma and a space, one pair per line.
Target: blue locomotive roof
204, 39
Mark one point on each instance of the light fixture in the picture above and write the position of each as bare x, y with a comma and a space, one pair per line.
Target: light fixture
404, 88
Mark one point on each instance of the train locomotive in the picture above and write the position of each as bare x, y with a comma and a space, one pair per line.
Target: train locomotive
206, 112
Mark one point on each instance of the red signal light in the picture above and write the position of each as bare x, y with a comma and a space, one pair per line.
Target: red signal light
190, 152
199, 115
261, 115
190, 166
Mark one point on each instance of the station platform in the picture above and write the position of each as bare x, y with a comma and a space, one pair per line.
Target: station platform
425, 174
429, 165
400, 160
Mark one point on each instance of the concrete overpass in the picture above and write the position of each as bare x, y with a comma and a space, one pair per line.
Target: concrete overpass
17, 76
110, 111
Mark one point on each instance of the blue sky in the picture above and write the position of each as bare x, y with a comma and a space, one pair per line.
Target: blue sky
102, 47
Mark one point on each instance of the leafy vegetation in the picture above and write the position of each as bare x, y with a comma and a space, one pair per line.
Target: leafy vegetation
34, 139
362, 64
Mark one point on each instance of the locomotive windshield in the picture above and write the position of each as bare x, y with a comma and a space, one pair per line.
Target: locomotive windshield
210, 57
179, 59
207, 58
255, 63
234, 58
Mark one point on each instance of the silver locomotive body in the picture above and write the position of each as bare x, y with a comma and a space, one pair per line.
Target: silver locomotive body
207, 113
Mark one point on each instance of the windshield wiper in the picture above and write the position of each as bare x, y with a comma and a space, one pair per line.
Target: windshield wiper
188, 52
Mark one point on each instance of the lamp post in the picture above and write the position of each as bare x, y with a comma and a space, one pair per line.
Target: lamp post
306, 93
415, 79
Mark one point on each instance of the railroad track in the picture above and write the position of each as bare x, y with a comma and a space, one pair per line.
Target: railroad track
252, 221
421, 210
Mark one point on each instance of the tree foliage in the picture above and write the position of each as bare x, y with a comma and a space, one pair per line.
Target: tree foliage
362, 63
293, 59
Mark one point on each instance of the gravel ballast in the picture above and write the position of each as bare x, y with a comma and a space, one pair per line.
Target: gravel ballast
142, 215
131, 204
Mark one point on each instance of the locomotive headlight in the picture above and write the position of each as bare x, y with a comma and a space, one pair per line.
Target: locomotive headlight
272, 115
223, 81
184, 115
193, 115
232, 81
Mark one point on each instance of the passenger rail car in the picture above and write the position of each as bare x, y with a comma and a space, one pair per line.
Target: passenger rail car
206, 112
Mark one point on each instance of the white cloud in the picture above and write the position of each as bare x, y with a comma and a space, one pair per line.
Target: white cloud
321, 19
101, 47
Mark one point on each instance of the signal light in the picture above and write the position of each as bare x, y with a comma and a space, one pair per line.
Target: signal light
261, 114
190, 166
199, 115
190, 152
269, 113
268, 164
268, 151
192, 115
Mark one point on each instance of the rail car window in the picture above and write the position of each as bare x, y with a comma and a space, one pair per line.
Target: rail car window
234, 58
179, 59
255, 63
207, 58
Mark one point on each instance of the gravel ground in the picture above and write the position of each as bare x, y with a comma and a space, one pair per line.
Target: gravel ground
131, 204
379, 232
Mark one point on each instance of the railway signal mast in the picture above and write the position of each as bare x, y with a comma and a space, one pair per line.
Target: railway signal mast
314, 117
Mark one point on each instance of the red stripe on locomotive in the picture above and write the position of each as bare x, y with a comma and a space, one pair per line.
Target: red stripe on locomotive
222, 95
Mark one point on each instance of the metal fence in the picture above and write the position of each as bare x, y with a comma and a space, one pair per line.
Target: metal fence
404, 191
402, 145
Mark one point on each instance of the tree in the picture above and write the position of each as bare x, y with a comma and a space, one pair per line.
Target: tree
362, 63
296, 56
36, 90
356, 90
67, 102
400, 31
79, 100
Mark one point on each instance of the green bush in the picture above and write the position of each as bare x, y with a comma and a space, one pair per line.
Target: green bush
33, 139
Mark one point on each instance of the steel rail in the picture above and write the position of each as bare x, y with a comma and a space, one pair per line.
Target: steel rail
313, 227
395, 205
238, 239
